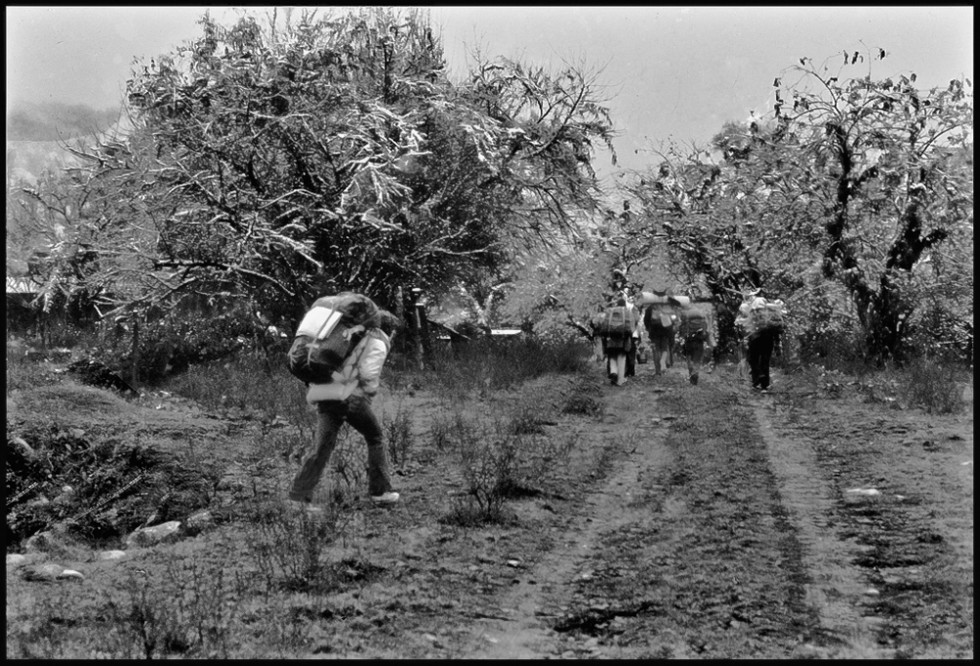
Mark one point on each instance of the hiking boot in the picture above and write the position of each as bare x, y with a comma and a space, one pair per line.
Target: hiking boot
385, 498
614, 379
694, 379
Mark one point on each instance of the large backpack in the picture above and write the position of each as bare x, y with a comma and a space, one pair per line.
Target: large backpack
692, 320
618, 320
766, 316
658, 318
327, 334
769, 318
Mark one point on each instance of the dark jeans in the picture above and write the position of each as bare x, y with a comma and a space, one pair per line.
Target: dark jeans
661, 343
631, 358
331, 415
759, 356
693, 348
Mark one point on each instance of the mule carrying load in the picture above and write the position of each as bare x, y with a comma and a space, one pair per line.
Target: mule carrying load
328, 333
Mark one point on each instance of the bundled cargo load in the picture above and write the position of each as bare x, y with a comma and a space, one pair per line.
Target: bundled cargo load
694, 320
652, 298
329, 331
758, 314
618, 320
658, 312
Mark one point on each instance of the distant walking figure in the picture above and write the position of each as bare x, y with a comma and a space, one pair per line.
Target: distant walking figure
697, 339
760, 321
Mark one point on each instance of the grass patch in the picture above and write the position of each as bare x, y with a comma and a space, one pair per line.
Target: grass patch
289, 545
933, 387
501, 454
397, 430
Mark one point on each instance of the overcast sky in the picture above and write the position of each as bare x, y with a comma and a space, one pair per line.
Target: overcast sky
669, 72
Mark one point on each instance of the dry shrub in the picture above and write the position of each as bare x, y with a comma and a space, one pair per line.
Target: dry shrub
398, 434
581, 402
191, 611
933, 387
288, 545
501, 457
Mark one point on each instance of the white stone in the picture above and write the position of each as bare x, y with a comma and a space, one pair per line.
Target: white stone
148, 536
112, 554
868, 492
13, 559
48, 571
71, 574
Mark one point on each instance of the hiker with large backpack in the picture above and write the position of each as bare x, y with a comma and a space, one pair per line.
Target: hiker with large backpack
696, 334
760, 322
617, 326
339, 350
636, 341
660, 322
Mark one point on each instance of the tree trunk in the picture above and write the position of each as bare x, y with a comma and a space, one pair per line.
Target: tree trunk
887, 310
134, 371
415, 330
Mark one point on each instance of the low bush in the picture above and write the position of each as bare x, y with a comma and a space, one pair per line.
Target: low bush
289, 545
842, 350
245, 383
933, 387
189, 612
170, 344
502, 454
398, 435
489, 364
582, 402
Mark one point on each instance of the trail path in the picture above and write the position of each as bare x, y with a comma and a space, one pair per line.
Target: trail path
719, 531
823, 521
532, 604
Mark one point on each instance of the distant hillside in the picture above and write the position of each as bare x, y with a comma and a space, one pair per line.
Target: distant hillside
37, 133
53, 121
27, 160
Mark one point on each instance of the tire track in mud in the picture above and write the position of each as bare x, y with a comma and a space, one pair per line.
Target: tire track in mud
545, 590
721, 574
835, 589
711, 536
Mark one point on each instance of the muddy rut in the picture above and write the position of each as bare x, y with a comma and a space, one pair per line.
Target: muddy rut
535, 606
712, 534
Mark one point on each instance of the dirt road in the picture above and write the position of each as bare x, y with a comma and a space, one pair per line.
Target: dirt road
733, 524
684, 522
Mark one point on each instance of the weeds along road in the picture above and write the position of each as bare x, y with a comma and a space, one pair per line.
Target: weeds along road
716, 533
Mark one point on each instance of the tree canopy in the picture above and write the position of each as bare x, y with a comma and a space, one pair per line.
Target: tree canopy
317, 153
851, 181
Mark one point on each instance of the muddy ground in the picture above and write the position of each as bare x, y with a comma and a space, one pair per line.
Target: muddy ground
823, 520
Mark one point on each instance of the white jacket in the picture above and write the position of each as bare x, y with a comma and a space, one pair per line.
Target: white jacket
361, 372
